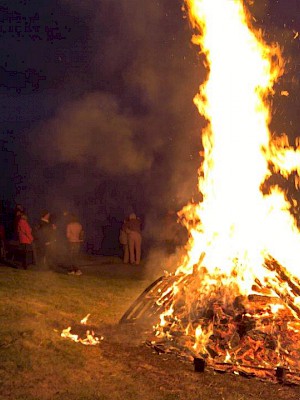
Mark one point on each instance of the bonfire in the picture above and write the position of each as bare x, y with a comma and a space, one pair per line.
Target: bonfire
234, 300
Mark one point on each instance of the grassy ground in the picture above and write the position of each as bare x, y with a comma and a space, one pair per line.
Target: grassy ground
36, 363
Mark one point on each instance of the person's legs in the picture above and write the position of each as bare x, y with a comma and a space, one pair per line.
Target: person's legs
71, 254
135, 241
131, 247
74, 253
138, 247
40, 253
24, 255
34, 253
2, 249
49, 259
125, 253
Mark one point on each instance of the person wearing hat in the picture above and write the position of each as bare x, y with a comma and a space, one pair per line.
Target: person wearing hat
133, 229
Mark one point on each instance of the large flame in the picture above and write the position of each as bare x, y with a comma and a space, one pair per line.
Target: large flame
236, 228
237, 222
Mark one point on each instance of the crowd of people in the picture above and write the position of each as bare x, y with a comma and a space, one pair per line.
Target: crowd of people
49, 242
58, 241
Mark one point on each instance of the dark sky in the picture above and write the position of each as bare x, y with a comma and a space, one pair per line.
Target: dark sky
96, 102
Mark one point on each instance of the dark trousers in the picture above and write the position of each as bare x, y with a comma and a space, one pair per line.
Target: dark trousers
2, 249
74, 249
42, 255
27, 255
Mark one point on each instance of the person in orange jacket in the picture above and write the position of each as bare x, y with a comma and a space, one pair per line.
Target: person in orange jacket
25, 238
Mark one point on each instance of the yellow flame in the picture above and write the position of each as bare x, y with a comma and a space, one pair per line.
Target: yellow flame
66, 333
202, 338
275, 308
237, 227
238, 222
84, 320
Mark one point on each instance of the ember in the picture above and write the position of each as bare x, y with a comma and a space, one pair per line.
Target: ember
235, 298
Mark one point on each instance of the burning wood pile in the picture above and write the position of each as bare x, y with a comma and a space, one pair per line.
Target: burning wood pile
257, 335
237, 307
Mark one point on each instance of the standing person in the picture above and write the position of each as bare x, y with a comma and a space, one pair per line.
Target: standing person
61, 238
75, 238
44, 235
18, 212
2, 241
123, 239
133, 229
25, 238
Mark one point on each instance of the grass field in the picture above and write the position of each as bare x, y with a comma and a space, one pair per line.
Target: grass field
37, 363
34, 308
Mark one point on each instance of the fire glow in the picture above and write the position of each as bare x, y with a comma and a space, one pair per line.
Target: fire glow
241, 265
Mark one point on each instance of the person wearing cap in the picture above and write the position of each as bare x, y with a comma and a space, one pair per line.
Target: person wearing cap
133, 229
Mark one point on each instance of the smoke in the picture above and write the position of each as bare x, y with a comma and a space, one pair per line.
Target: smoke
117, 127
126, 128
159, 262
94, 131
126, 110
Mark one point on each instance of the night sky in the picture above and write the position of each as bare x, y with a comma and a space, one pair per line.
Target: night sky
96, 102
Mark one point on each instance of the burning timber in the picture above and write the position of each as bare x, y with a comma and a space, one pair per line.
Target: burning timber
256, 335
